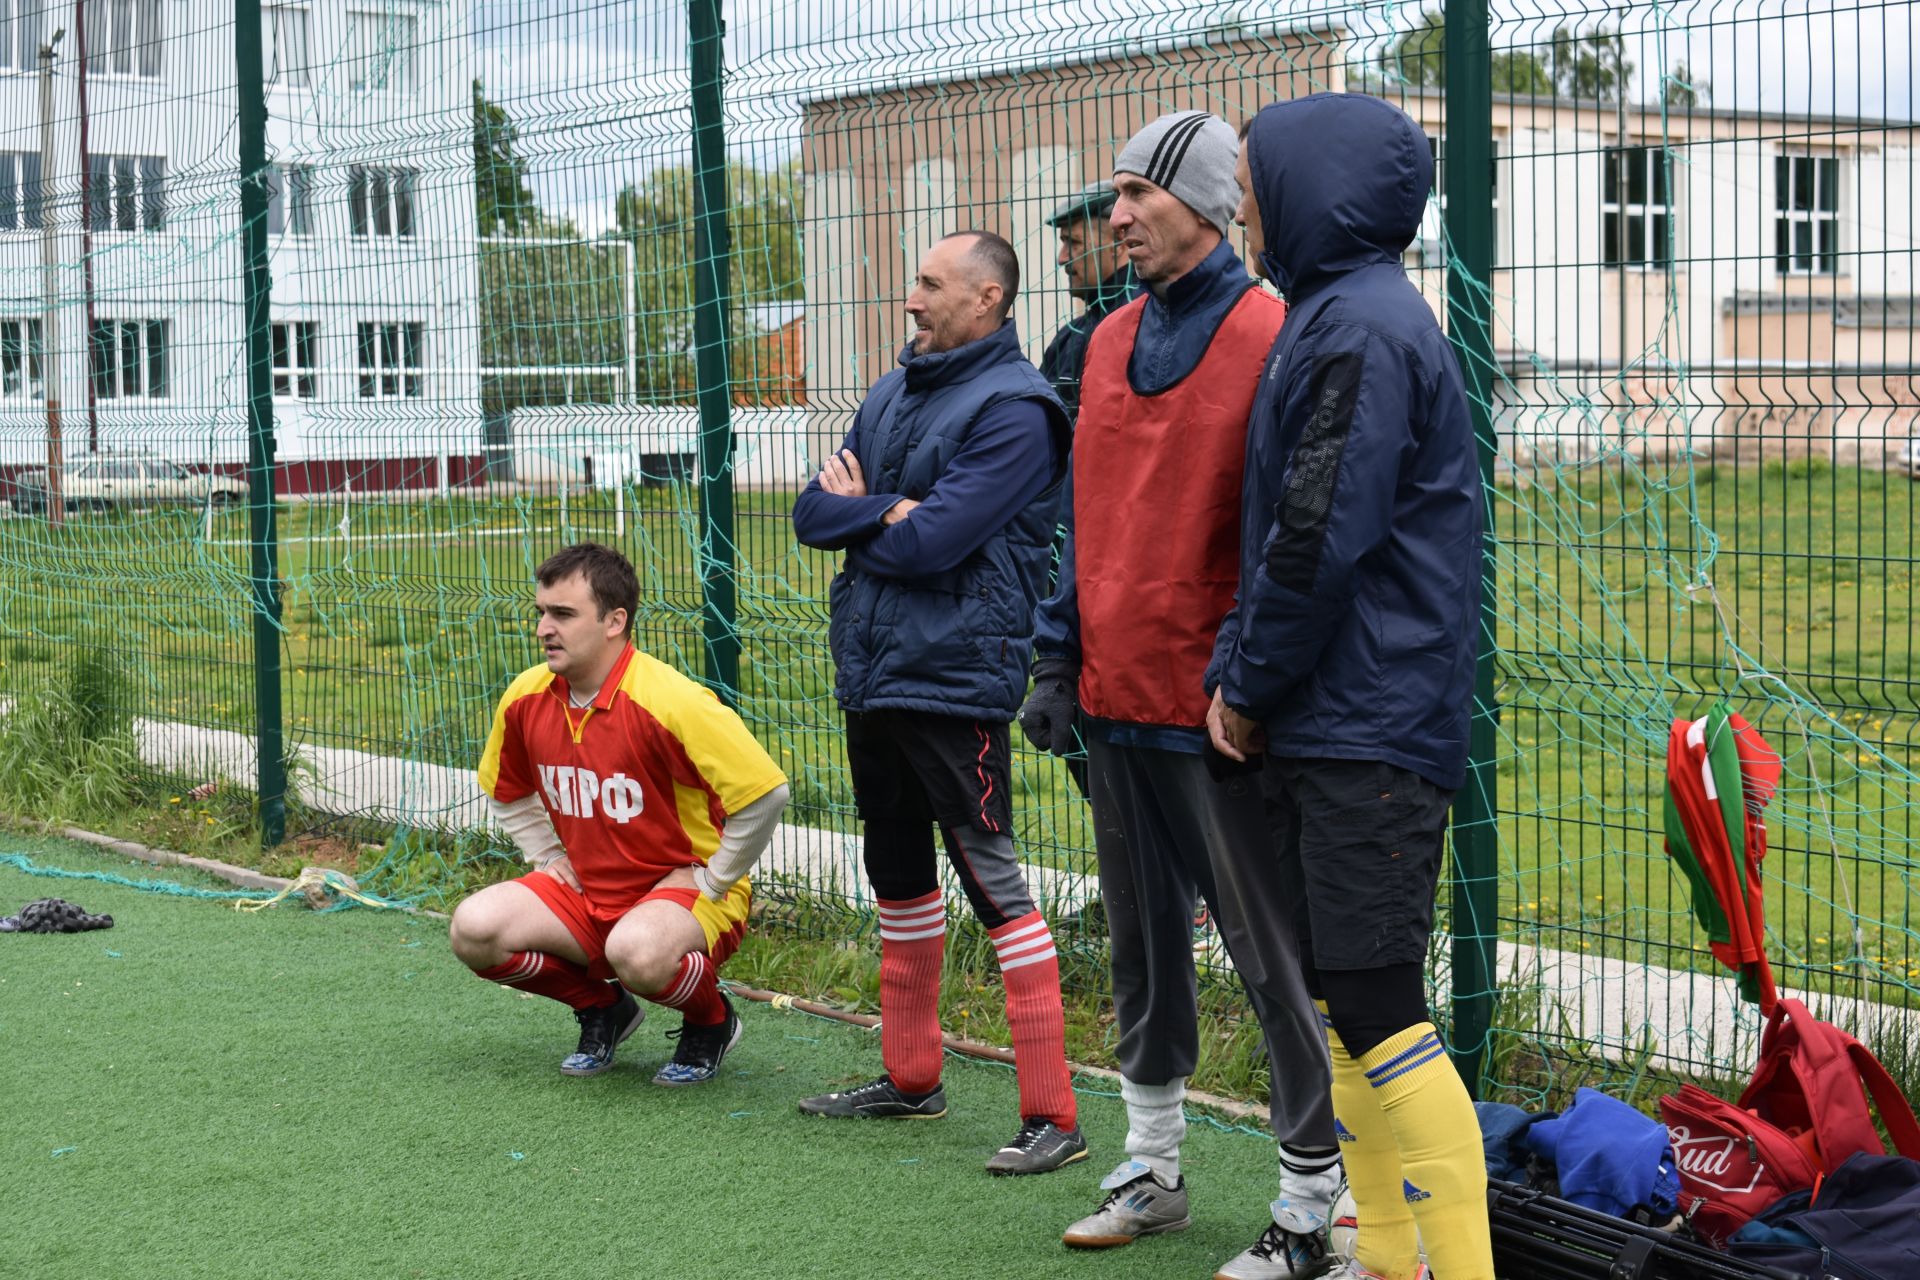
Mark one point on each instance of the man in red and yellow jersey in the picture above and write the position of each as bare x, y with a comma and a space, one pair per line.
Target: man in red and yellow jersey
642, 802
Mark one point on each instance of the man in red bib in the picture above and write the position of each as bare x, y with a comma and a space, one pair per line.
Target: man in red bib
642, 801
1147, 573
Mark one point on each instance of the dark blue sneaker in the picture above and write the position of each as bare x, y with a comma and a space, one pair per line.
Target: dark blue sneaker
601, 1031
697, 1058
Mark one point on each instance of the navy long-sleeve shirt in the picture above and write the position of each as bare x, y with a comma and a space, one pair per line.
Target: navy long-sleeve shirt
1007, 461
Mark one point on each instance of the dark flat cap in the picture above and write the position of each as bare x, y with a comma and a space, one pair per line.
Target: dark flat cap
1090, 201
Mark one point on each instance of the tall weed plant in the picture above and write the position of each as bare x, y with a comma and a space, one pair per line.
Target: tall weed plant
66, 744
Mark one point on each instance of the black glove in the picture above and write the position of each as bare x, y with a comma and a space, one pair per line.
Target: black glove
1048, 714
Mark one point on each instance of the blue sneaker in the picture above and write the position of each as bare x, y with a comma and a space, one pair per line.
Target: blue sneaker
601, 1031
697, 1058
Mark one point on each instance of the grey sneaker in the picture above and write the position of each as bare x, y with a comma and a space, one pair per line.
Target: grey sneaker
1351, 1270
1136, 1205
878, 1100
1280, 1254
1041, 1146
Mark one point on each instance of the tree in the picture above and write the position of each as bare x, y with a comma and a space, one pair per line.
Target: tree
504, 201
1418, 57
1683, 89
656, 215
1592, 65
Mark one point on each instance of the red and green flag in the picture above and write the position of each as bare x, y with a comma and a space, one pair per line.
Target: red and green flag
1720, 776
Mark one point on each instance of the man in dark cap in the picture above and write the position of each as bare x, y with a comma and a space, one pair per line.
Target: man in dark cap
1098, 275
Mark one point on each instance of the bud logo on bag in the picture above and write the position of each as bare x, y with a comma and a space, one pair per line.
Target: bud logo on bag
1711, 1162
574, 791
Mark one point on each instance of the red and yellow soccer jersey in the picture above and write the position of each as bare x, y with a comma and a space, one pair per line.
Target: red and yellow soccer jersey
636, 784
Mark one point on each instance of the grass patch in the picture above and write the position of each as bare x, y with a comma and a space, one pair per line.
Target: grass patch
331, 1094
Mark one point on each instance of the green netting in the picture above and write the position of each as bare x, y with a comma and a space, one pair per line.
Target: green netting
482, 229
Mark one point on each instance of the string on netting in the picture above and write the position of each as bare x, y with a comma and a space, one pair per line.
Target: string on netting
171, 888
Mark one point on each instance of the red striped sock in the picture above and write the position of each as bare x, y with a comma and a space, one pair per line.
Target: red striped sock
552, 977
1030, 970
694, 990
913, 939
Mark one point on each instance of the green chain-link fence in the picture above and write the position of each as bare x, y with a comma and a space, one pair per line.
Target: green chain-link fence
526, 273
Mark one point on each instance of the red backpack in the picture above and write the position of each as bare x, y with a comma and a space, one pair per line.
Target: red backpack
1801, 1116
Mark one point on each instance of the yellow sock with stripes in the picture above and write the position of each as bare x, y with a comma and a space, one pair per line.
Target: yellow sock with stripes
1441, 1161
1388, 1243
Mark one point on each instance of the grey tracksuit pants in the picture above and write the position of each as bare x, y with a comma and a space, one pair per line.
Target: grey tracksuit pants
1165, 830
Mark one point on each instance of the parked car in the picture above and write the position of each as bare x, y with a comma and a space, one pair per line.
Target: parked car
109, 480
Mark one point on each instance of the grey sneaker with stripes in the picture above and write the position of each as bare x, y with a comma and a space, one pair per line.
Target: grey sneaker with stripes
1137, 1204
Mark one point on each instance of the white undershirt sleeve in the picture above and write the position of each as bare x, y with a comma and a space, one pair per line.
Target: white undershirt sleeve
747, 835
526, 821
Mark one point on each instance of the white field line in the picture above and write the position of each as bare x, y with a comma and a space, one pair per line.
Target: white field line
438, 535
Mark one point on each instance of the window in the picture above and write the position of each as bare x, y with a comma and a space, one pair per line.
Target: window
126, 193
1806, 215
380, 201
296, 360
283, 33
124, 37
20, 353
289, 200
380, 53
1431, 245
392, 360
1639, 174
128, 358
19, 189
20, 34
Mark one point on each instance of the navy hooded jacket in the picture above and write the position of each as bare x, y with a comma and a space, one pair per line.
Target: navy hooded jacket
935, 613
1357, 624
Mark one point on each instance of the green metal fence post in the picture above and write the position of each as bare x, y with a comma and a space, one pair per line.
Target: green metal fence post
264, 571
712, 285
1469, 196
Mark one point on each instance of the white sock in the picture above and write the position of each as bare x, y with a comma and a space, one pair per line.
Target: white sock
1309, 1179
1156, 1125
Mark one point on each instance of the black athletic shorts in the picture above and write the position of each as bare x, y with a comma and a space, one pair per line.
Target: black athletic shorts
920, 767
1359, 846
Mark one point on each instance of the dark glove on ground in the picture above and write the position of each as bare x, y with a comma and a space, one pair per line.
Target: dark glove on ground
1047, 716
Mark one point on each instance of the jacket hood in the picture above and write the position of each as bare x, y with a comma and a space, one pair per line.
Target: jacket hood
1341, 180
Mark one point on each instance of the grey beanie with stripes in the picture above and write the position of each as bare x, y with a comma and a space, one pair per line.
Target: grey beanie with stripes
1191, 154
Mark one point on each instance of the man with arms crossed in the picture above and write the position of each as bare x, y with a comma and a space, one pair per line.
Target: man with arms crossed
944, 499
1146, 577
1349, 659
642, 802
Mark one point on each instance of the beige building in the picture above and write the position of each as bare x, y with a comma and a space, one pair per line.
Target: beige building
1757, 271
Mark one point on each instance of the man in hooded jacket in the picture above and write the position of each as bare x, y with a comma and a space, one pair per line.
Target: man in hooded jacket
1348, 660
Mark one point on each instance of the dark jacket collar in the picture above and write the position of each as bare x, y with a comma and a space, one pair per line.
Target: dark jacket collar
1219, 273
942, 368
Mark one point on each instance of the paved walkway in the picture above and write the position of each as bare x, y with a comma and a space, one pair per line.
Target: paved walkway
1623, 1011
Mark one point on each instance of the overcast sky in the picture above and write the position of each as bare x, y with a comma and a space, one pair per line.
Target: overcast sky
598, 86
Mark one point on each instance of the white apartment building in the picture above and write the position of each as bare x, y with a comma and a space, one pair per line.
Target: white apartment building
370, 233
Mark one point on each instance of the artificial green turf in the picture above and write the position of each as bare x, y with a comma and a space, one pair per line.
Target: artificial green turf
203, 1092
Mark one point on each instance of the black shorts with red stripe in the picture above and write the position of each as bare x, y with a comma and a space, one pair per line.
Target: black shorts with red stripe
913, 771
948, 770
